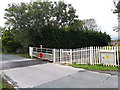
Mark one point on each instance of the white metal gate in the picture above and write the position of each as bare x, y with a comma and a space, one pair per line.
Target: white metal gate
87, 55
47, 52
65, 55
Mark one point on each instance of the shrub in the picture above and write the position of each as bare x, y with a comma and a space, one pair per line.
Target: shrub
9, 43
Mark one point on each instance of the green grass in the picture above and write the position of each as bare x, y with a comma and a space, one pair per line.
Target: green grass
98, 67
2, 85
25, 55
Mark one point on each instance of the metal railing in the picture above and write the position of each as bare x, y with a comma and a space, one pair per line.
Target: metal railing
87, 55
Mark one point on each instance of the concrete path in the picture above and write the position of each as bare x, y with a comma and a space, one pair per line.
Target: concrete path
27, 73
31, 76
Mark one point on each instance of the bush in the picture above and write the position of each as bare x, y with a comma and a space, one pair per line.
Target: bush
61, 38
9, 43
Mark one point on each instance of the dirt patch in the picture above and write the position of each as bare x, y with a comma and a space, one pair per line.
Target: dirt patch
116, 73
7, 85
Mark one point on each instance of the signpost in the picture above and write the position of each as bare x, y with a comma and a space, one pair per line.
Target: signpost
41, 55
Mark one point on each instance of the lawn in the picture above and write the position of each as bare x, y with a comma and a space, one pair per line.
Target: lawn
98, 67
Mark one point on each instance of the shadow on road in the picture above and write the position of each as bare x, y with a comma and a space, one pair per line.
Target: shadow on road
16, 64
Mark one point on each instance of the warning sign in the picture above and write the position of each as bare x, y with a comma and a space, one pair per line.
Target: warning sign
107, 56
41, 55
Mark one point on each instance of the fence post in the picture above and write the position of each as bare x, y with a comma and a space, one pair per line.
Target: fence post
30, 51
60, 56
91, 54
86, 56
70, 56
115, 54
118, 55
53, 55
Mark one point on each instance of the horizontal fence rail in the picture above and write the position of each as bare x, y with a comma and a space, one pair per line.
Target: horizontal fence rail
88, 55
47, 53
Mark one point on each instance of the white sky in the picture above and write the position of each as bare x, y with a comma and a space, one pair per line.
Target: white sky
100, 10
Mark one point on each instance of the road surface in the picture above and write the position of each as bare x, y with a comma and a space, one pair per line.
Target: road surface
29, 73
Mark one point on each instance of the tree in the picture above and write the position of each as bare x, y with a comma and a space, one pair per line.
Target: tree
1, 30
90, 24
28, 20
117, 10
77, 25
9, 43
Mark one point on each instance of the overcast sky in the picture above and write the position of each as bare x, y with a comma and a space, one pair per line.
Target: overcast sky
100, 10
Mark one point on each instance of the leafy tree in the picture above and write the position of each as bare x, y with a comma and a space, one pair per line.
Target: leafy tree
9, 43
52, 24
117, 6
90, 24
77, 25
28, 20
117, 10
1, 30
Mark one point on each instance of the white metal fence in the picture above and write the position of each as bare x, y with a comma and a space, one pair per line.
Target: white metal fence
87, 55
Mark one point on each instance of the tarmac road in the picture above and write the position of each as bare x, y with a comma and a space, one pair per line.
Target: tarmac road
15, 61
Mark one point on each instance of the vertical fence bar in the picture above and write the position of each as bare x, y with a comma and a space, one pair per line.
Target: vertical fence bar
60, 56
91, 54
118, 55
74, 56
96, 54
30, 51
54, 56
99, 54
70, 56
81, 56
115, 55
86, 56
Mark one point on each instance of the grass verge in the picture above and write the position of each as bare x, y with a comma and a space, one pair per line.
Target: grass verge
5, 85
98, 67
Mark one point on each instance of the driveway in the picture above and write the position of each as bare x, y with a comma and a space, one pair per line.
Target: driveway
29, 73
